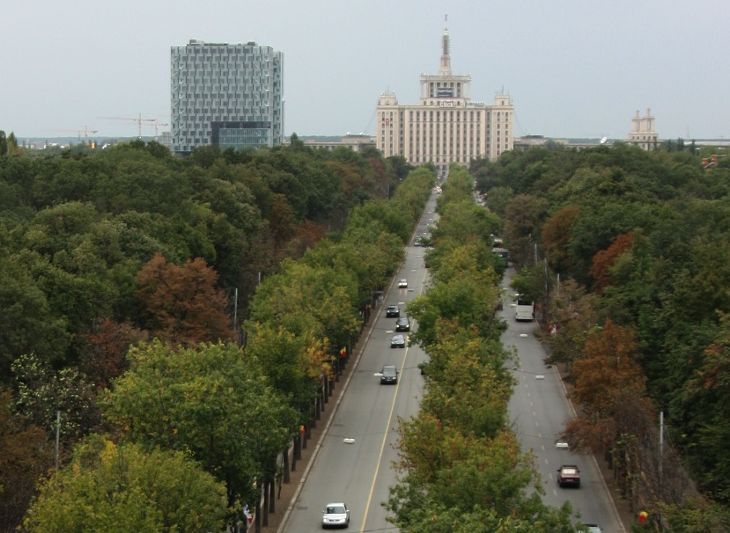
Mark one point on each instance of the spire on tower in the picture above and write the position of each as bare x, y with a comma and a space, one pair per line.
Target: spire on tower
445, 58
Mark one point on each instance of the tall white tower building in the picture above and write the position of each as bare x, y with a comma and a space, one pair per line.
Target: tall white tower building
445, 126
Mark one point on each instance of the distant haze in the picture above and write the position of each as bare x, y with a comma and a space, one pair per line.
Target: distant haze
574, 68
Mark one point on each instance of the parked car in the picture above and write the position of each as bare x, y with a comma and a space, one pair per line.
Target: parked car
335, 515
392, 311
403, 283
569, 476
389, 375
403, 324
398, 341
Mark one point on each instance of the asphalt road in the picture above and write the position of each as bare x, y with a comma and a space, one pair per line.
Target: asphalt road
360, 472
538, 409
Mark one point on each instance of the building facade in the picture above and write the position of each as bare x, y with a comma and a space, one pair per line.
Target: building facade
643, 131
228, 95
356, 143
445, 126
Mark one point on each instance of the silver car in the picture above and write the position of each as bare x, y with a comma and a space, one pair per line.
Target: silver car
335, 515
398, 341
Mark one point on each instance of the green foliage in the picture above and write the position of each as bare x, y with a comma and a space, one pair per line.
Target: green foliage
27, 324
78, 225
648, 234
209, 401
460, 468
41, 391
109, 487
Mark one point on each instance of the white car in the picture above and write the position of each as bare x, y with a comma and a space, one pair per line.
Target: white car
335, 514
403, 283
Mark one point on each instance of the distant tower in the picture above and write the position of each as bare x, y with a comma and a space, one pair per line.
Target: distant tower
643, 131
445, 69
445, 126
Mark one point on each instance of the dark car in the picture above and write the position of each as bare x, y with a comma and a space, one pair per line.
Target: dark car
398, 341
569, 476
392, 311
403, 324
389, 375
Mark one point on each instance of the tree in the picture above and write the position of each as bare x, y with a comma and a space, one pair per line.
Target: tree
522, 219
110, 487
12, 144
487, 480
42, 391
605, 259
104, 355
556, 237
27, 323
708, 392
609, 385
207, 400
292, 363
3, 144
571, 316
26, 455
183, 302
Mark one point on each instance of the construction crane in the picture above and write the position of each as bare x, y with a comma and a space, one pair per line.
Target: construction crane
158, 125
138, 120
86, 131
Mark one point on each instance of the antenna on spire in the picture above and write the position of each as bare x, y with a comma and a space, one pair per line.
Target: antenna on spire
445, 59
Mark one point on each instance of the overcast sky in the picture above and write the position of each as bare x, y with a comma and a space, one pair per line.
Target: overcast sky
574, 68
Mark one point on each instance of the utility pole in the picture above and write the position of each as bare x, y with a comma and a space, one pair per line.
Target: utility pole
661, 450
58, 434
235, 314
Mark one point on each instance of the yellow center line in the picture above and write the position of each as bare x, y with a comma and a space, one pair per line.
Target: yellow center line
382, 444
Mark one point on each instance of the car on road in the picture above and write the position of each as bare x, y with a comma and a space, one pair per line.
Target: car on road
392, 311
398, 341
389, 375
569, 476
403, 283
403, 324
335, 514
594, 528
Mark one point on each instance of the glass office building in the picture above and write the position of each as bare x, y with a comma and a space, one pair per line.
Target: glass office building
228, 95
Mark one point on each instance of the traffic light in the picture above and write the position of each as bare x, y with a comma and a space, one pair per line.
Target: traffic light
643, 517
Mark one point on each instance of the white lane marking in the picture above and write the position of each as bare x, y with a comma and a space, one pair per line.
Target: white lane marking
386, 434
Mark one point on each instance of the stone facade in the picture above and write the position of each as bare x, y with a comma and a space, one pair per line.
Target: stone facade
643, 131
445, 126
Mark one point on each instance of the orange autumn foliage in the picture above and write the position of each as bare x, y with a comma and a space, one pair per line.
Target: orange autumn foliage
604, 260
183, 302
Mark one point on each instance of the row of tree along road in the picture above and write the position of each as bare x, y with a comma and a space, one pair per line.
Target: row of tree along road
627, 257
133, 398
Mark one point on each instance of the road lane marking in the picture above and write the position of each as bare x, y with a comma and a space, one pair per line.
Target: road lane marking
385, 440
387, 427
